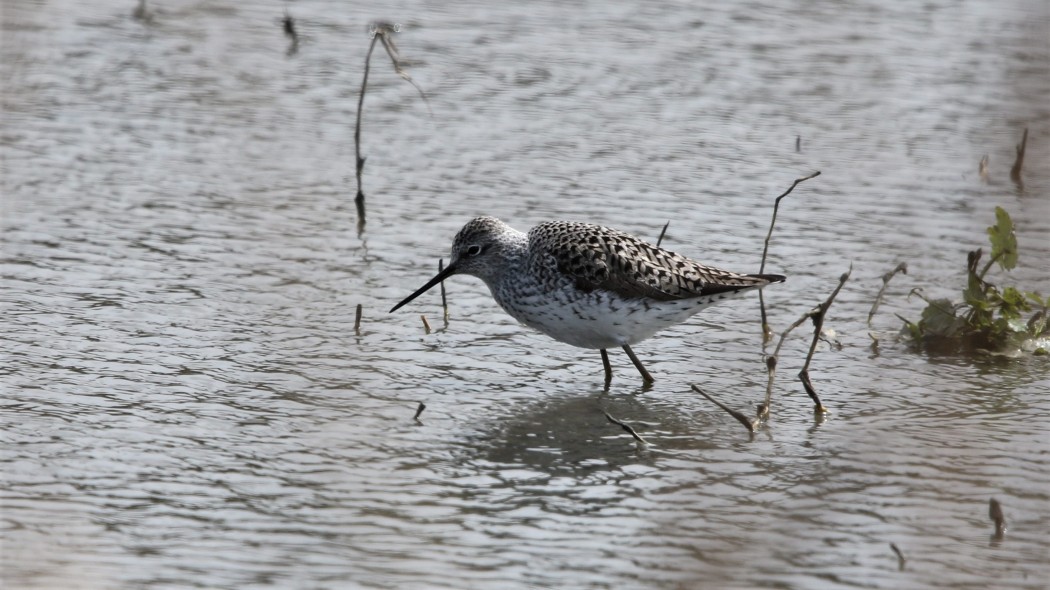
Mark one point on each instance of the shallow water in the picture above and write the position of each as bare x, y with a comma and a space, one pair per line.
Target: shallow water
186, 402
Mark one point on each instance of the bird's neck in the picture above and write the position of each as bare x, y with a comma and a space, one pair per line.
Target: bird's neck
512, 261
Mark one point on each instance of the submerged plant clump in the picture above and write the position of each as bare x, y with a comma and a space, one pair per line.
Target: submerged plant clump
990, 318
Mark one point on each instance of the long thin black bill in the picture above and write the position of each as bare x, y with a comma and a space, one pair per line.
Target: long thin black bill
449, 271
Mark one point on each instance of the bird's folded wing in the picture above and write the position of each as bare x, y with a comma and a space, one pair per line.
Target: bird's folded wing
601, 258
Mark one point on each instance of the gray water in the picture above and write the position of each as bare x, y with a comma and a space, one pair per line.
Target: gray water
186, 402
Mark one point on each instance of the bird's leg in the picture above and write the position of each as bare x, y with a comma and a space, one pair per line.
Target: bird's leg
646, 377
608, 367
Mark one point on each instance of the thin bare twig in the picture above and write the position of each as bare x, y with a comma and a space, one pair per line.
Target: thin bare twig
379, 32
771, 364
767, 333
900, 556
626, 427
359, 200
357, 320
751, 425
384, 32
776, 205
901, 268
818, 323
1015, 172
662, 233
288, 23
817, 315
995, 512
426, 324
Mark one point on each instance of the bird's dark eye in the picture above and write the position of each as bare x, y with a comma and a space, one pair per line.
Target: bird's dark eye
474, 250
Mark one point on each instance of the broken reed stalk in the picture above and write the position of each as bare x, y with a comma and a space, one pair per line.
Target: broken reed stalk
816, 314
626, 427
426, 324
900, 556
444, 302
1015, 172
289, 31
359, 200
357, 320
818, 323
751, 425
419, 410
901, 268
767, 333
142, 12
289, 25
380, 32
384, 32
662, 233
995, 512
771, 365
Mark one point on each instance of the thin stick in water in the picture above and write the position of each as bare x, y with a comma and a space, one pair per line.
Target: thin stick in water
818, 323
817, 316
662, 232
626, 427
771, 365
357, 320
776, 206
901, 268
419, 410
767, 333
747, 422
380, 32
289, 31
385, 31
900, 556
426, 324
1015, 172
995, 512
359, 200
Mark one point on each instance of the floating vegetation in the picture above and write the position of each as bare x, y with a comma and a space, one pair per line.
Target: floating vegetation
990, 318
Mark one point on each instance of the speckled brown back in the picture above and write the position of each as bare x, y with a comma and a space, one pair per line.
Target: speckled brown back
602, 258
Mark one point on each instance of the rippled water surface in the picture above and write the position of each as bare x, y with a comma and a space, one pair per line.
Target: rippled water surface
186, 402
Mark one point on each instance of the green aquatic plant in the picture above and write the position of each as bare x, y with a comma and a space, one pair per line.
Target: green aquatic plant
990, 318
